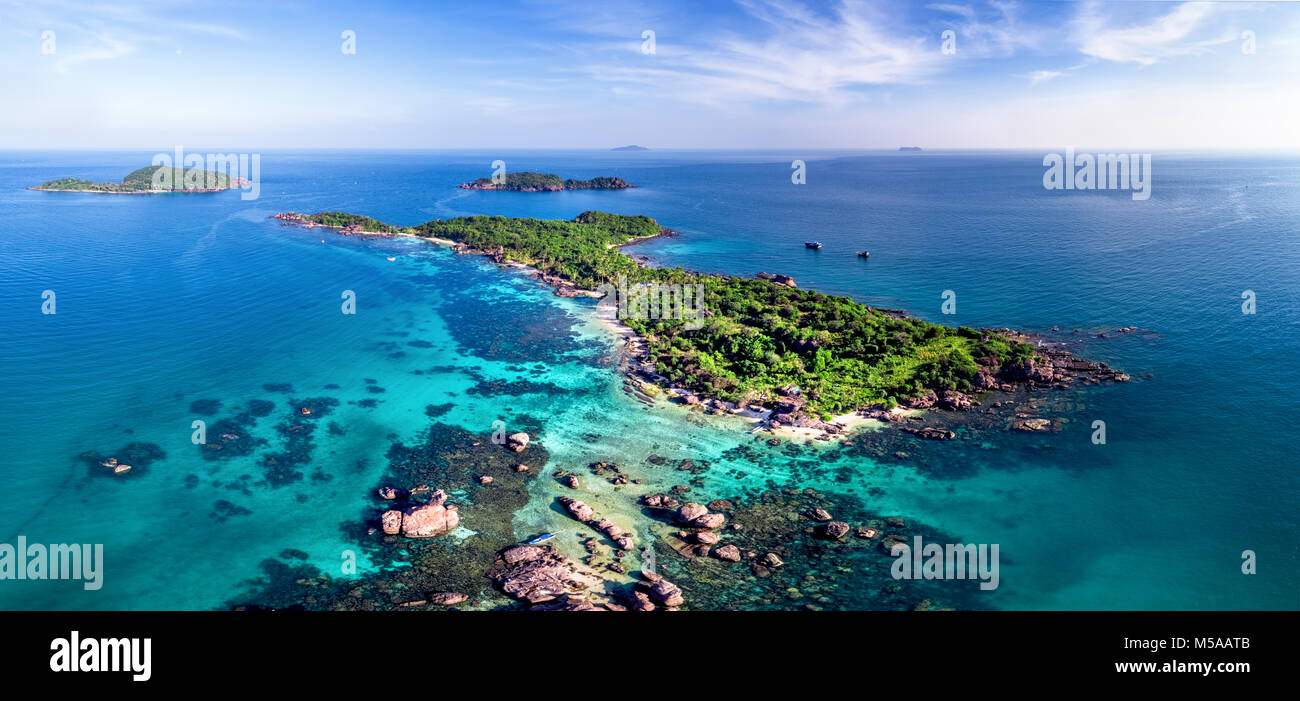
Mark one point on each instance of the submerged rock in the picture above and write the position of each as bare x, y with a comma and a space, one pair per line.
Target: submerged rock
447, 598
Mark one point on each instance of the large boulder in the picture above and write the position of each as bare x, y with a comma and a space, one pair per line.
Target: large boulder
834, 530
690, 511
730, 553
522, 553
429, 520
577, 509
517, 441
665, 593
609, 528
709, 521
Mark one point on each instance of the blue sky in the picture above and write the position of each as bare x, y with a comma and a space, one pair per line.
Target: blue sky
723, 74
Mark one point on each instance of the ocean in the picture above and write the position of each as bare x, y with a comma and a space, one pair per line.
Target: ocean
177, 308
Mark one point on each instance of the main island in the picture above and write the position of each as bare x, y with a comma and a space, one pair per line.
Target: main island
762, 350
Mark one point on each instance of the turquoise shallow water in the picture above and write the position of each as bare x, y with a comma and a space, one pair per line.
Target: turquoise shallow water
165, 301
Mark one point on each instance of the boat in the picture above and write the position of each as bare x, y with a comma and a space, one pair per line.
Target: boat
812, 244
540, 538
391, 259
864, 254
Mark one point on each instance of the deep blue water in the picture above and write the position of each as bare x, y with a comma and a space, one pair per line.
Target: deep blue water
165, 300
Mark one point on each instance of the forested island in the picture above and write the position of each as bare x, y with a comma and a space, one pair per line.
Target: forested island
528, 181
148, 180
758, 337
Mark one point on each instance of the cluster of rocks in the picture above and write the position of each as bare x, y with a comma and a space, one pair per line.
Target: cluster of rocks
612, 473
933, 433
830, 529
1058, 368
587, 515
660, 501
777, 279
547, 581
652, 590
432, 518
788, 411
714, 407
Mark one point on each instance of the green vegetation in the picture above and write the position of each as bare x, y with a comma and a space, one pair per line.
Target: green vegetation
342, 219
756, 336
143, 180
528, 181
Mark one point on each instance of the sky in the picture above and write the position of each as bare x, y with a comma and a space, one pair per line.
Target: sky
697, 74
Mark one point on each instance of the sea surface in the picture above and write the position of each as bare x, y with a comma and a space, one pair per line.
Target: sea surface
177, 308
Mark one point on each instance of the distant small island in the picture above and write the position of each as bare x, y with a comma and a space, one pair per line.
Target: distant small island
528, 181
142, 181
909, 148
632, 147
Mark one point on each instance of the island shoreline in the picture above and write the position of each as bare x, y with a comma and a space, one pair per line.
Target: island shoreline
790, 424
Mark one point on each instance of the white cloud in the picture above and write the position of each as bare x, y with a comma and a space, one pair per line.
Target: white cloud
1036, 77
807, 57
1145, 43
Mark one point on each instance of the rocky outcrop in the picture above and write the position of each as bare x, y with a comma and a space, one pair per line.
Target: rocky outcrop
433, 518
538, 574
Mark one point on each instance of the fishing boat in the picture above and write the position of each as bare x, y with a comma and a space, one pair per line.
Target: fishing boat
812, 244
540, 538
864, 254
